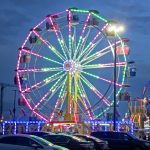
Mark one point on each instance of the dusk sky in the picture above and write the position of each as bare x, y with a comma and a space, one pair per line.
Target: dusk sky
18, 16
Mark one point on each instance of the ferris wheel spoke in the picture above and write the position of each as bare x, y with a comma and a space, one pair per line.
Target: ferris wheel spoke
40, 116
60, 98
100, 53
86, 100
55, 88
81, 36
51, 92
92, 44
52, 79
70, 35
59, 37
40, 56
65, 46
87, 53
51, 47
95, 91
85, 38
74, 40
45, 81
41, 70
103, 79
108, 65
54, 110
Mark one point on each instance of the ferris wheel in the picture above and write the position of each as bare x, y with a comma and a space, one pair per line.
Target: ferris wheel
65, 66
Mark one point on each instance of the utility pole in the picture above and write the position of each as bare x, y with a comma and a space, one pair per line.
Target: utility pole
14, 109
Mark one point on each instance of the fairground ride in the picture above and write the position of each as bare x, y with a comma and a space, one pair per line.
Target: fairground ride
65, 66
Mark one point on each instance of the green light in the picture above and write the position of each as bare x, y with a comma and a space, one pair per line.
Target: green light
97, 77
51, 69
62, 89
99, 17
53, 88
81, 11
52, 60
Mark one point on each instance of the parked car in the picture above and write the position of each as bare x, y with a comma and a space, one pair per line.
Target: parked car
39, 133
98, 144
122, 140
69, 141
26, 142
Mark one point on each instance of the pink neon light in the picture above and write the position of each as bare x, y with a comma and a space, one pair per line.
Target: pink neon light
19, 57
29, 52
99, 33
57, 13
106, 48
89, 114
18, 63
109, 46
86, 23
117, 64
33, 86
42, 99
47, 43
52, 22
120, 85
41, 38
39, 23
98, 93
53, 112
100, 96
26, 101
69, 15
40, 116
18, 81
26, 39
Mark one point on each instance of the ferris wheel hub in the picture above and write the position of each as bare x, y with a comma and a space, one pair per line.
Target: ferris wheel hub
71, 66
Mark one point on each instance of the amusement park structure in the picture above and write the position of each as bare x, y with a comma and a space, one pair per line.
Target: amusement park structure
2, 87
65, 67
139, 108
138, 112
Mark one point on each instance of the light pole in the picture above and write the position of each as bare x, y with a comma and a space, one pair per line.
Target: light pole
14, 107
112, 30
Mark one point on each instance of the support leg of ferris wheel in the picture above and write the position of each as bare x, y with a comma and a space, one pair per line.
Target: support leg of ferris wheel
68, 116
76, 116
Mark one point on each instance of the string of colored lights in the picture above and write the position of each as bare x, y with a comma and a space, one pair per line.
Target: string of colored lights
40, 124
58, 100
52, 48
40, 56
97, 77
47, 80
60, 40
84, 95
99, 53
89, 47
69, 35
51, 91
95, 90
108, 65
40, 70
81, 36
82, 51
